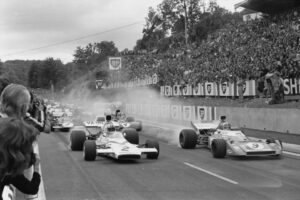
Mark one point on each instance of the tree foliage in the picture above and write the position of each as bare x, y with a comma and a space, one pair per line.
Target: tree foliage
169, 20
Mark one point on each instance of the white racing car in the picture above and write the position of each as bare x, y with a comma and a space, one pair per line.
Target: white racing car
116, 146
231, 142
122, 143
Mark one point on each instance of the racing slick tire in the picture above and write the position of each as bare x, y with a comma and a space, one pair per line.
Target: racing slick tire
140, 126
131, 135
77, 138
152, 144
218, 148
129, 119
137, 125
89, 150
187, 139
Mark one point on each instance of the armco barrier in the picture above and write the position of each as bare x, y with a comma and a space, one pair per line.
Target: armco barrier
280, 120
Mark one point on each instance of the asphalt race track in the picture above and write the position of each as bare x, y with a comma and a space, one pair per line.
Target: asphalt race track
177, 174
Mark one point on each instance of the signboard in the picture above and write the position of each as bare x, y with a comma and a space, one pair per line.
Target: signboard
249, 88
186, 90
176, 112
168, 91
98, 84
226, 89
210, 89
176, 90
198, 90
291, 86
165, 111
187, 113
202, 113
115, 63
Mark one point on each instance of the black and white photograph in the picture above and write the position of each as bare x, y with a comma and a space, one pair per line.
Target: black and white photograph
149, 99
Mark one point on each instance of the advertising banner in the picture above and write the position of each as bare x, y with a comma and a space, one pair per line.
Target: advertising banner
176, 112
186, 90
188, 113
226, 89
115, 63
168, 91
176, 90
165, 111
210, 89
202, 113
162, 90
248, 87
291, 86
198, 90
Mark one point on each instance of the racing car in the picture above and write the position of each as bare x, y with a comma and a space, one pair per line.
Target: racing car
122, 144
232, 142
61, 123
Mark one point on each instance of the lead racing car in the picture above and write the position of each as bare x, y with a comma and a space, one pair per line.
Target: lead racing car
231, 142
120, 143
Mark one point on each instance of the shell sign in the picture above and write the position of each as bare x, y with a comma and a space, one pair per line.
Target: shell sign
115, 63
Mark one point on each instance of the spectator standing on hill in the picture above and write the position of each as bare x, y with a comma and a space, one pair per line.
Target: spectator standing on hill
278, 94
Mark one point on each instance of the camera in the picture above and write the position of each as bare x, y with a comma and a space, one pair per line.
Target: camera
32, 159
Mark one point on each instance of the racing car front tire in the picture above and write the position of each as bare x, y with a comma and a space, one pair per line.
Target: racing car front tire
218, 148
77, 138
89, 150
152, 144
188, 139
131, 135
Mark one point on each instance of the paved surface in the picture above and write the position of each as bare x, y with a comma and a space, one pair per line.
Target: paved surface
177, 174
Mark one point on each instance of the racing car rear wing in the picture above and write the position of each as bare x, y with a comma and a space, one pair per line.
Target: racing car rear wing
205, 125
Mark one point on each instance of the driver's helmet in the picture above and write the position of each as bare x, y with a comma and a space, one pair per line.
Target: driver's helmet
109, 128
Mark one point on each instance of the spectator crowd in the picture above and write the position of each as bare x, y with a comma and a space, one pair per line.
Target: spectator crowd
241, 50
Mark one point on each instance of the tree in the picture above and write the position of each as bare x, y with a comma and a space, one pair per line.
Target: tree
93, 54
34, 77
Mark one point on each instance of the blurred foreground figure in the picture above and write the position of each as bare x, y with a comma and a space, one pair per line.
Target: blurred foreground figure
16, 150
15, 102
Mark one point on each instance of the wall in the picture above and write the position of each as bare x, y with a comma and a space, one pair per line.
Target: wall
281, 120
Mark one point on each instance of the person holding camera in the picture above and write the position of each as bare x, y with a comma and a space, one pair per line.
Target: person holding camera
17, 155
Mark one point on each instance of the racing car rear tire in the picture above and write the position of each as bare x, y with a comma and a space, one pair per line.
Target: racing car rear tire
137, 125
188, 139
140, 126
89, 150
131, 135
130, 119
218, 148
77, 138
152, 144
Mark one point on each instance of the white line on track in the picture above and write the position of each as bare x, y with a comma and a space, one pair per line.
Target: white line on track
211, 173
291, 153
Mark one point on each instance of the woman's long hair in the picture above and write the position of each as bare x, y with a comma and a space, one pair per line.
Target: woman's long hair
16, 138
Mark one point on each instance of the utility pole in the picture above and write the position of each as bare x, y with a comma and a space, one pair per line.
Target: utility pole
185, 25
